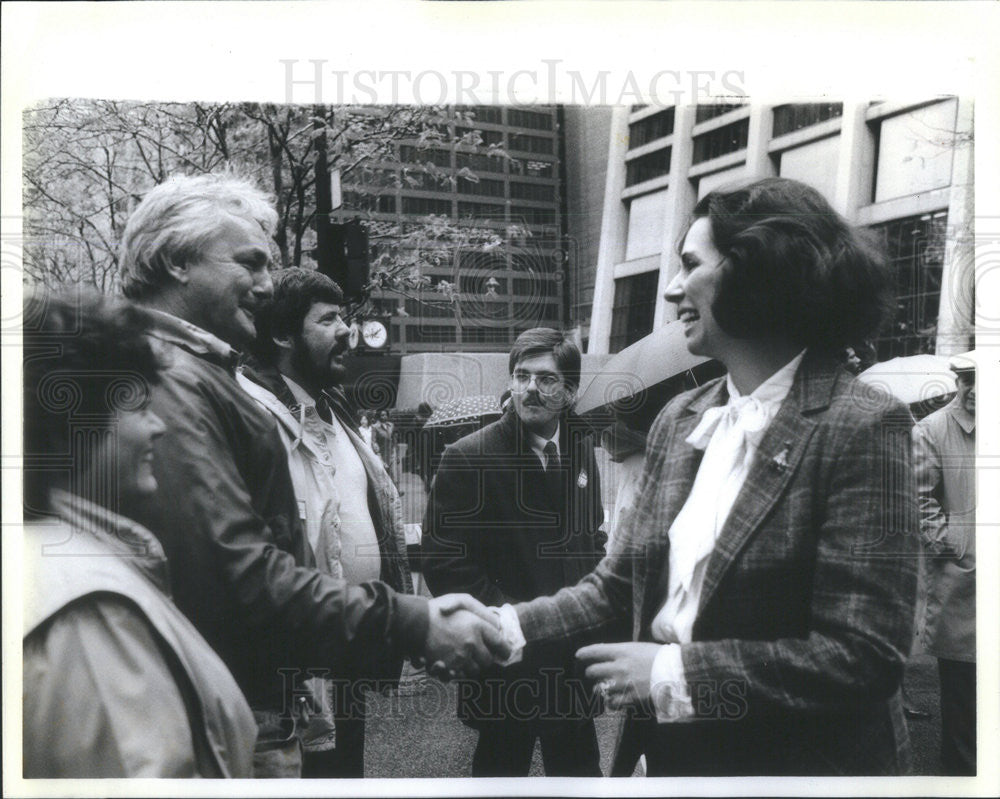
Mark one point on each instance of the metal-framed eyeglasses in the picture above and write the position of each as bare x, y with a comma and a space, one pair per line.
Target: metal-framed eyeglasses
545, 382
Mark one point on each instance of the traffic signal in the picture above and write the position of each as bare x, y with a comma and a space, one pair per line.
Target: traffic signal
343, 256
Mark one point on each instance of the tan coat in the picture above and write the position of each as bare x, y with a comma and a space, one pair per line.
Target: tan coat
944, 450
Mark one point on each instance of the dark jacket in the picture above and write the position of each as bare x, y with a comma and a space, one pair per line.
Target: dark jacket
498, 526
806, 614
227, 517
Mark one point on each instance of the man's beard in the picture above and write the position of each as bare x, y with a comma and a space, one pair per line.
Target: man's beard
320, 372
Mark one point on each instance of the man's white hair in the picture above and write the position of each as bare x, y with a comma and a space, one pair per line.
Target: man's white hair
176, 220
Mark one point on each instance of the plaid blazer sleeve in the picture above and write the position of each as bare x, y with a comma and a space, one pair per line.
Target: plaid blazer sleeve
863, 583
601, 606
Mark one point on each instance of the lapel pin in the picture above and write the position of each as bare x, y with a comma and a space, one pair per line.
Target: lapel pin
780, 461
581, 479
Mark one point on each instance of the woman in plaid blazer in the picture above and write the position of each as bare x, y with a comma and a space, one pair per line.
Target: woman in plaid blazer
767, 568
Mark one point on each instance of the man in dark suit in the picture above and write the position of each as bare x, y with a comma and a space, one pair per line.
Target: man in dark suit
513, 514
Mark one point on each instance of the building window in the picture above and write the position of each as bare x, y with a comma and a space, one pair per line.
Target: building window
487, 188
431, 334
532, 216
362, 201
651, 128
534, 314
539, 192
529, 119
801, 115
647, 167
721, 141
486, 335
534, 169
537, 286
385, 306
916, 252
478, 162
488, 136
480, 210
483, 113
633, 310
706, 112
531, 144
478, 283
408, 154
426, 205
434, 307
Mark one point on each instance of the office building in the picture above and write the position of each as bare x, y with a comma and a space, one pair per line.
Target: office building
904, 170
502, 292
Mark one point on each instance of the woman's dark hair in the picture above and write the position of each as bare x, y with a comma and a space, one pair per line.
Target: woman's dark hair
86, 360
794, 268
295, 292
543, 341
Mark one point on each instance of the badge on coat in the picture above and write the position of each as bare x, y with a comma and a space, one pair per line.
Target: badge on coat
581, 479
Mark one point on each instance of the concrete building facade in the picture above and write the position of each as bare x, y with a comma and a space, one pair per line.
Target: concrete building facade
903, 170
587, 134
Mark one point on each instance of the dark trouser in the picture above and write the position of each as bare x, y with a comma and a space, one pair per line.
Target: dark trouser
569, 749
347, 760
958, 717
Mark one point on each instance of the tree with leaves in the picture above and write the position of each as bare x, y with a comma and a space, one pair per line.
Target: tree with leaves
87, 163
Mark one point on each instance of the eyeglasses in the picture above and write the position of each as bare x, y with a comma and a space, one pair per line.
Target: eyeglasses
545, 383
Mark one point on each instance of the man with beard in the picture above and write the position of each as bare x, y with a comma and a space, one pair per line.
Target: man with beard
196, 252
348, 505
513, 514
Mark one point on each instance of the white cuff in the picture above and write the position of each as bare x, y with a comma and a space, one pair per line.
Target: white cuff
668, 686
510, 629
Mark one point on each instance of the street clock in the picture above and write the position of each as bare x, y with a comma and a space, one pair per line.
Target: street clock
374, 334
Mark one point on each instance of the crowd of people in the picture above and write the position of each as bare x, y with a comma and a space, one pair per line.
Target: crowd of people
232, 575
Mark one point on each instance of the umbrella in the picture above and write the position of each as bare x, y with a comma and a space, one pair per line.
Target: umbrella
913, 379
651, 360
464, 410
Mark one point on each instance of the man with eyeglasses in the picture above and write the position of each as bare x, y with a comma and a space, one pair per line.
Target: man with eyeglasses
513, 514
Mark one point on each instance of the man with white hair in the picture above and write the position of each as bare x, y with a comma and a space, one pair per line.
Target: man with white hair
196, 252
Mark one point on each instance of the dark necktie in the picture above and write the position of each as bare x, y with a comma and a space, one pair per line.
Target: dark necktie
551, 456
324, 410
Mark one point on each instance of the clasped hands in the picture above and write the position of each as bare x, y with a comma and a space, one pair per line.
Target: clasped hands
463, 638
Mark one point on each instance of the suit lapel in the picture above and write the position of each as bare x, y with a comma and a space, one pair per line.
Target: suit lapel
677, 474
776, 461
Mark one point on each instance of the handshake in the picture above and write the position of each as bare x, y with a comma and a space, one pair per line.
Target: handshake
464, 637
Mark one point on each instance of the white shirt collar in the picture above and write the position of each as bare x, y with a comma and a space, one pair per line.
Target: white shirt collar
538, 443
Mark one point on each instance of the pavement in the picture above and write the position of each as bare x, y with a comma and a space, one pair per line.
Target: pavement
413, 732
